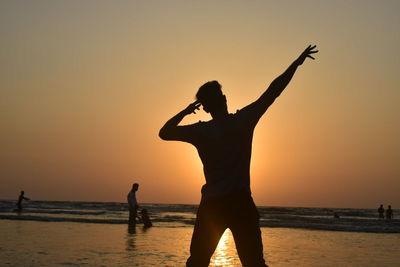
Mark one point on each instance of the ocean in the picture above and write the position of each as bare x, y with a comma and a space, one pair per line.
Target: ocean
179, 215
52, 233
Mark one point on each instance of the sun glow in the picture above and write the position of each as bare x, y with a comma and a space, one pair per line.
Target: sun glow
84, 98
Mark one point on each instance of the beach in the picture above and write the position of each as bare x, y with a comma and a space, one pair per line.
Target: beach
73, 233
33, 243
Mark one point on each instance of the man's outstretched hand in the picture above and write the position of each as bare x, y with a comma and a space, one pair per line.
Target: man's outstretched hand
192, 107
307, 53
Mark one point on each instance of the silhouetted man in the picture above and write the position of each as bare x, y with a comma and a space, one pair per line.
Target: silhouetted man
389, 213
224, 146
133, 205
381, 212
20, 198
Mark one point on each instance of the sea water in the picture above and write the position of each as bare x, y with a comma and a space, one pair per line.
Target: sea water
178, 215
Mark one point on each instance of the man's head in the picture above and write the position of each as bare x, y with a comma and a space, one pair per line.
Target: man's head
22, 192
211, 97
135, 187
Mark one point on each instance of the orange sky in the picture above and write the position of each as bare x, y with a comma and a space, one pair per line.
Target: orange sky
85, 87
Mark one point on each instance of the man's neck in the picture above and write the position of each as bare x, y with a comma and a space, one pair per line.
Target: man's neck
219, 114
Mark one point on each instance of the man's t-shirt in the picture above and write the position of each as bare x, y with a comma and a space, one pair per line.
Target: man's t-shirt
132, 200
224, 147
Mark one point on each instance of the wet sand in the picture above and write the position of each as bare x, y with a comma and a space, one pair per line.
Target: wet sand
30, 243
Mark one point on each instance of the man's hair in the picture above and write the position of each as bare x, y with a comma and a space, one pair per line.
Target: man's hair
210, 95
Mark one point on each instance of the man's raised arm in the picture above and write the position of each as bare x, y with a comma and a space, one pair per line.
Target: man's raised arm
280, 83
171, 130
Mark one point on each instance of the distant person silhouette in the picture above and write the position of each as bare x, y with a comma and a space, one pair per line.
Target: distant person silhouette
133, 205
146, 219
20, 198
224, 146
389, 213
381, 212
336, 215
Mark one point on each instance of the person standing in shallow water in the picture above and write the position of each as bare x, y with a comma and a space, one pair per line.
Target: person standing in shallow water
224, 146
381, 212
389, 213
133, 205
20, 198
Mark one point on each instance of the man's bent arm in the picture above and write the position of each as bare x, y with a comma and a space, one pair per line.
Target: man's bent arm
170, 130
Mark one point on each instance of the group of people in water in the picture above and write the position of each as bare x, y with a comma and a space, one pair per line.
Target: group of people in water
145, 219
133, 210
388, 215
132, 204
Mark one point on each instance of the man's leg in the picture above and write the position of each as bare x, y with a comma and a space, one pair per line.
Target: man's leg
207, 231
132, 217
247, 234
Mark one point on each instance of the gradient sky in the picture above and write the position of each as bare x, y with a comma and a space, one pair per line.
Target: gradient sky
85, 87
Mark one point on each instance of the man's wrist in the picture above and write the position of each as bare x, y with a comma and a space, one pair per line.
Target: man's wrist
184, 112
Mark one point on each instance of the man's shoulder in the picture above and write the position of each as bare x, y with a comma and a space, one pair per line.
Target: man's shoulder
248, 115
239, 115
197, 125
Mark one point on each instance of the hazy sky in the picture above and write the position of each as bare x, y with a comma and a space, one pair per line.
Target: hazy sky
85, 87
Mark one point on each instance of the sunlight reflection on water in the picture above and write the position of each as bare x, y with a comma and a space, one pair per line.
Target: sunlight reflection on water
225, 254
